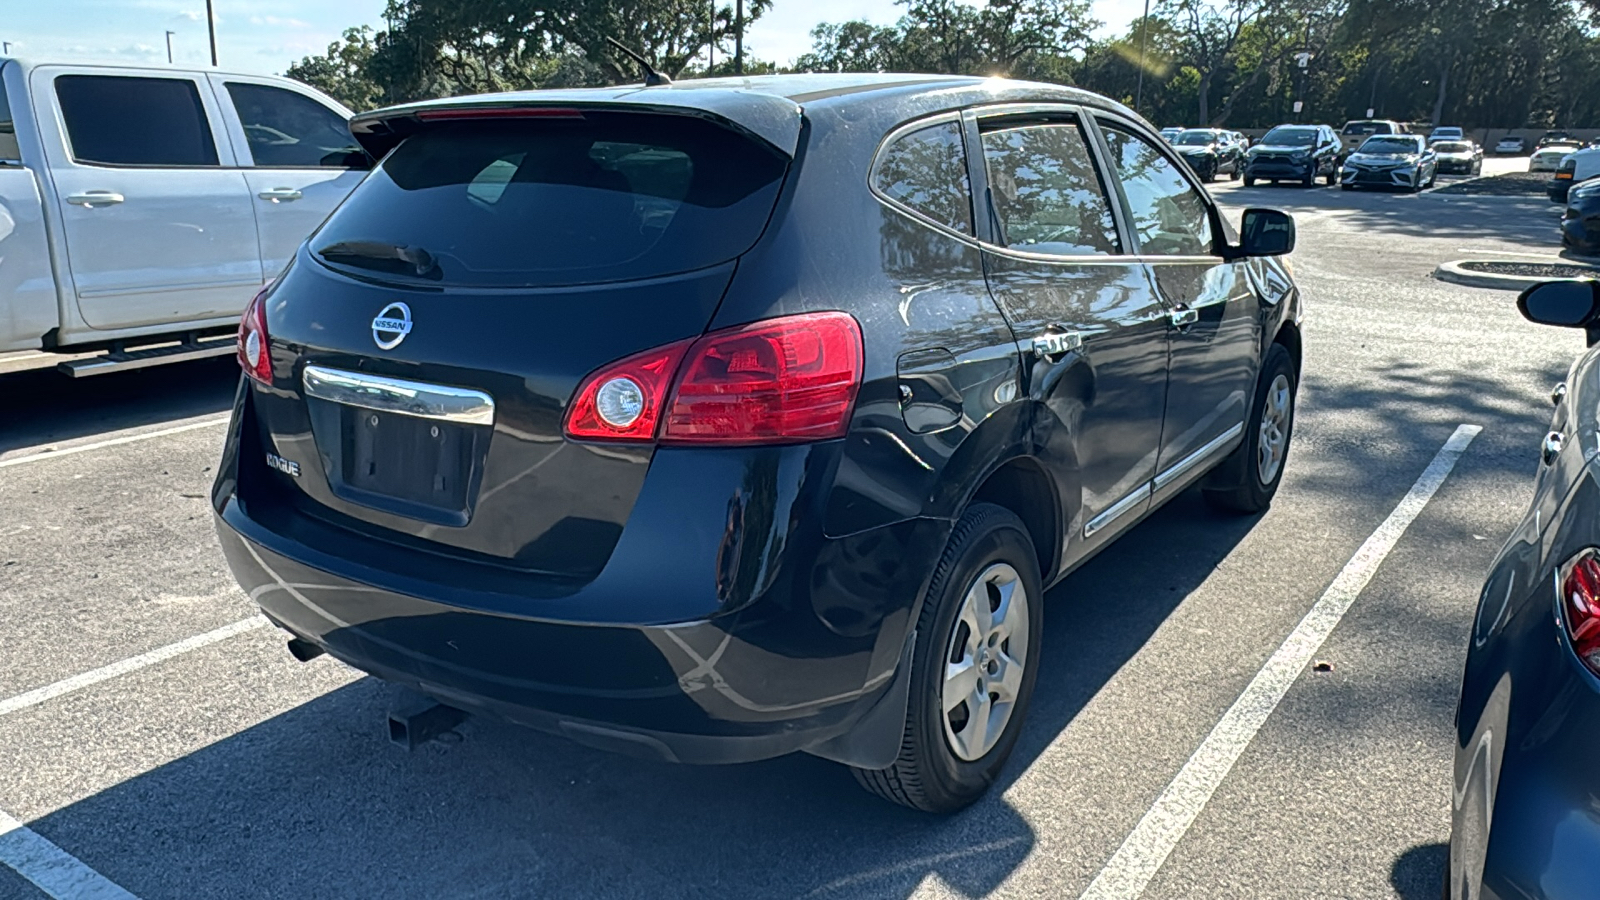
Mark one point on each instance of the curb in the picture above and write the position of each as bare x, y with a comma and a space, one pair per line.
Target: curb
1452, 272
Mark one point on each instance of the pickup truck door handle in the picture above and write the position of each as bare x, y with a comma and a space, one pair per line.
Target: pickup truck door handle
95, 198
1183, 318
279, 195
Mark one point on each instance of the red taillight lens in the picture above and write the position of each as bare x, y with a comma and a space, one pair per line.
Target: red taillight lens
255, 357
623, 401
780, 381
1580, 607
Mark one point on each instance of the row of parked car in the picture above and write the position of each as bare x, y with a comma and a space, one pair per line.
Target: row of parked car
1384, 155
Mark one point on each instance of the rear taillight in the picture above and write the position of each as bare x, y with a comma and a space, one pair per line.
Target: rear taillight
623, 401
255, 358
1580, 606
778, 381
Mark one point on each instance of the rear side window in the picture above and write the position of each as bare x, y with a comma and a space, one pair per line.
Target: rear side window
1047, 194
287, 129
926, 170
119, 121
9, 151
597, 196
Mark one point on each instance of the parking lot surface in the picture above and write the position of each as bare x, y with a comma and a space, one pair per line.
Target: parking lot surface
224, 768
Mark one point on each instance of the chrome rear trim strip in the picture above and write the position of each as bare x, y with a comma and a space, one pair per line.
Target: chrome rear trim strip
408, 398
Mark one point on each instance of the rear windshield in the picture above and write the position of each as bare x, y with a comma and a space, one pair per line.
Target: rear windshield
1198, 137
1368, 128
1453, 147
598, 196
1290, 137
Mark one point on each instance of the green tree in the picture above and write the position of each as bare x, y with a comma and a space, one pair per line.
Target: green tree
342, 73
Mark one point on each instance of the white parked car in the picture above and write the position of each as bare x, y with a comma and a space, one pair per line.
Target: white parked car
142, 206
1447, 133
1549, 159
1511, 146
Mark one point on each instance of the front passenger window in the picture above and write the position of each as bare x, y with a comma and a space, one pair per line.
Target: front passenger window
1170, 217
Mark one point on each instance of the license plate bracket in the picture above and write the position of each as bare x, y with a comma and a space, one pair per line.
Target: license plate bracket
421, 468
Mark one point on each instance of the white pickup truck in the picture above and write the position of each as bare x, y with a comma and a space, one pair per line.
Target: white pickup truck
141, 209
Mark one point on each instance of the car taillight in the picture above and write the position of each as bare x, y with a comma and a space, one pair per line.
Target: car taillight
778, 381
623, 401
1580, 606
255, 358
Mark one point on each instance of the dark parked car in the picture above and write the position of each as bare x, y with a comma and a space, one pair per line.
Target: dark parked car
1391, 161
1557, 137
1526, 824
1580, 224
726, 419
1300, 153
1210, 152
1458, 157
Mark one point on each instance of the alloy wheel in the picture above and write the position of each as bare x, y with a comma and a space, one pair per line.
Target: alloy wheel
984, 661
1274, 438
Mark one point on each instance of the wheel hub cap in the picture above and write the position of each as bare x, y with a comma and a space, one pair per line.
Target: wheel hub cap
984, 661
1274, 438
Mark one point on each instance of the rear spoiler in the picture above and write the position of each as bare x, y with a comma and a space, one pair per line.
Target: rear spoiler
769, 118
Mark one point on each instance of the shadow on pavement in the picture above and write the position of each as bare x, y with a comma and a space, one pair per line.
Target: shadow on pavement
1419, 873
314, 802
43, 406
1529, 221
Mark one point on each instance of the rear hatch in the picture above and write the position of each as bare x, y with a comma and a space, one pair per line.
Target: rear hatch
428, 339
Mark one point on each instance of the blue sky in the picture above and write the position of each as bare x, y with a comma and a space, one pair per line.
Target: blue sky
266, 36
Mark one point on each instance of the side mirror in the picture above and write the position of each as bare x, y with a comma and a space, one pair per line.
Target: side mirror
1266, 232
1570, 304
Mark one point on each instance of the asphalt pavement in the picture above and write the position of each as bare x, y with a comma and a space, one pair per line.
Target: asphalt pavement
229, 770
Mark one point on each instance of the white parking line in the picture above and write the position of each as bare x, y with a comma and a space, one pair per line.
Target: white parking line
142, 436
1142, 854
131, 664
53, 870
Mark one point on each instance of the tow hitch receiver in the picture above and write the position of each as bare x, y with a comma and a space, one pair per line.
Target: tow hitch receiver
416, 723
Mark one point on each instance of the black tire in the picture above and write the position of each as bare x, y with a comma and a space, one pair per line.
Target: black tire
1234, 175
1348, 187
1333, 177
1249, 182
1239, 484
1311, 178
929, 774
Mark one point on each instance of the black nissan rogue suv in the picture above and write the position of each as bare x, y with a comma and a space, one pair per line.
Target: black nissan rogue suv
726, 419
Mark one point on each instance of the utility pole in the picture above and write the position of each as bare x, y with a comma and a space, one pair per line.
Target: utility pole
5, 47
738, 37
211, 28
169, 46
711, 42
1144, 41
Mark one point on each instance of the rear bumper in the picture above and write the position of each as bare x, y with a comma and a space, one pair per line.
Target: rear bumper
769, 680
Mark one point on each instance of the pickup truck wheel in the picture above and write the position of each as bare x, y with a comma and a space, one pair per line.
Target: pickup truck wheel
972, 668
1246, 481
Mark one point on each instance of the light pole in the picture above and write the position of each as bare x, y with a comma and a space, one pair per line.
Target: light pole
169, 46
5, 47
1144, 41
211, 29
738, 37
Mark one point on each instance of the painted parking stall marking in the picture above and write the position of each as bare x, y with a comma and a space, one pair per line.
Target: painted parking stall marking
1146, 848
114, 442
51, 869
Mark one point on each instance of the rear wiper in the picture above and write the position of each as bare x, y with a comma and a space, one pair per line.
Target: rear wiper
415, 259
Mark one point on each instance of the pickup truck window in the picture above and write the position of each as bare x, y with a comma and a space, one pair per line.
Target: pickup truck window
9, 152
119, 121
286, 129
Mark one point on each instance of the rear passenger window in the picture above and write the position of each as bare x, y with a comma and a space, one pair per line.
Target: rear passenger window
286, 129
1170, 218
119, 121
926, 170
9, 151
1047, 194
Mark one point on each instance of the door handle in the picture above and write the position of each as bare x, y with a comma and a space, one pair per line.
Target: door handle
1183, 318
95, 198
1053, 345
280, 195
